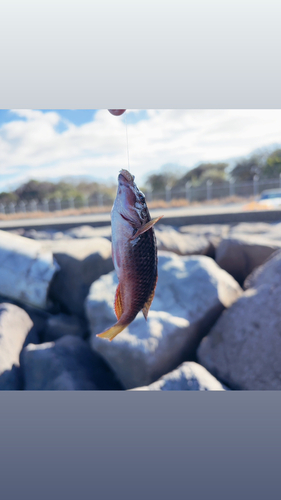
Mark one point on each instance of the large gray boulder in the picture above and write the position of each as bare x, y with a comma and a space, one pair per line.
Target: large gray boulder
243, 349
187, 377
250, 228
34, 234
213, 233
81, 263
275, 231
26, 269
269, 272
38, 317
59, 325
79, 232
270, 231
171, 240
68, 364
208, 230
82, 232
190, 295
15, 328
240, 255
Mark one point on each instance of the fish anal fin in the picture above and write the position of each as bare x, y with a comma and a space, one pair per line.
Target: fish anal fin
146, 227
112, 332
148, 303
118, 303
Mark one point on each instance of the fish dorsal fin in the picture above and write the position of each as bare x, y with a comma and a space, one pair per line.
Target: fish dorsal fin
146, 227
118, 303
148, 303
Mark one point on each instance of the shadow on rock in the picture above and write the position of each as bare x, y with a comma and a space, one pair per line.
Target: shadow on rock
67, 364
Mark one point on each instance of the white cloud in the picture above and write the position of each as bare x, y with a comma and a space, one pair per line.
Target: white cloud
32, 147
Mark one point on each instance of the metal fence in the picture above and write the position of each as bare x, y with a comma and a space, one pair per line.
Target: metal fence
212, 190
188, 192
56, 204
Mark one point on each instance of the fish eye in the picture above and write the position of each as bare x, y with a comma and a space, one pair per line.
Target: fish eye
142, 198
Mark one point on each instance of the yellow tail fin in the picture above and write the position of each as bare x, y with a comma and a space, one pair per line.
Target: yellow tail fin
112, 332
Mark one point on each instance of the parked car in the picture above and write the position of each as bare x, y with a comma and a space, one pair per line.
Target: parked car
271, 198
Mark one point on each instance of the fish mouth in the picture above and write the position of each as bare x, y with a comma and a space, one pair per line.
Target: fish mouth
125, 175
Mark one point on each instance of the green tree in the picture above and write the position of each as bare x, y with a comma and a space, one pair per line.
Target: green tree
168, 176
157, 182
272, 167
35, 190
8, 197
203, 172
245, 169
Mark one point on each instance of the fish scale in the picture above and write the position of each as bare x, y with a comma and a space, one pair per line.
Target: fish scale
144, 257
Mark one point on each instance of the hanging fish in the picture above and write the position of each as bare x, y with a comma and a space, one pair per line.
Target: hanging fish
134, 254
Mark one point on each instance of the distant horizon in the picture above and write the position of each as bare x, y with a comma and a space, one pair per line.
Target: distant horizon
53, 144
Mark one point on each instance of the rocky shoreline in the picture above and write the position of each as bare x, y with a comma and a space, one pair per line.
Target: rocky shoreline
214, 324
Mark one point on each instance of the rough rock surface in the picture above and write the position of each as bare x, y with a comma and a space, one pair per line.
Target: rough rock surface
37, 316
213, 233
190, 294
206, 229
239, 256
59, 325
264, 229
250, 228
275, 231
34, 234
81, 262
68, 364
15, 328
243, 349
89, 232
79, 232
269, 272
187, 377
26, 269
168, 239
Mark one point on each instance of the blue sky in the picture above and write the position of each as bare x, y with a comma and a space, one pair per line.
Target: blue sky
52, 144
76, 116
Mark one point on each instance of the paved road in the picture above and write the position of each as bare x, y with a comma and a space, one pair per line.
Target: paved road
177, 216
105, 218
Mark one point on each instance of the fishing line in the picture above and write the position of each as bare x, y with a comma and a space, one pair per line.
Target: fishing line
127, 142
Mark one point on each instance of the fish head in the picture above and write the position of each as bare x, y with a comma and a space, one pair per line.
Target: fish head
130, 201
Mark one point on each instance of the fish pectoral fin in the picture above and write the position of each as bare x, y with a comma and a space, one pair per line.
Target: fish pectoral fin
148, 303
118, 303
146, 227
112, 332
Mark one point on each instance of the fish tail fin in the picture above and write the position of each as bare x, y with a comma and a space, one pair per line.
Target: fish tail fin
110, 333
